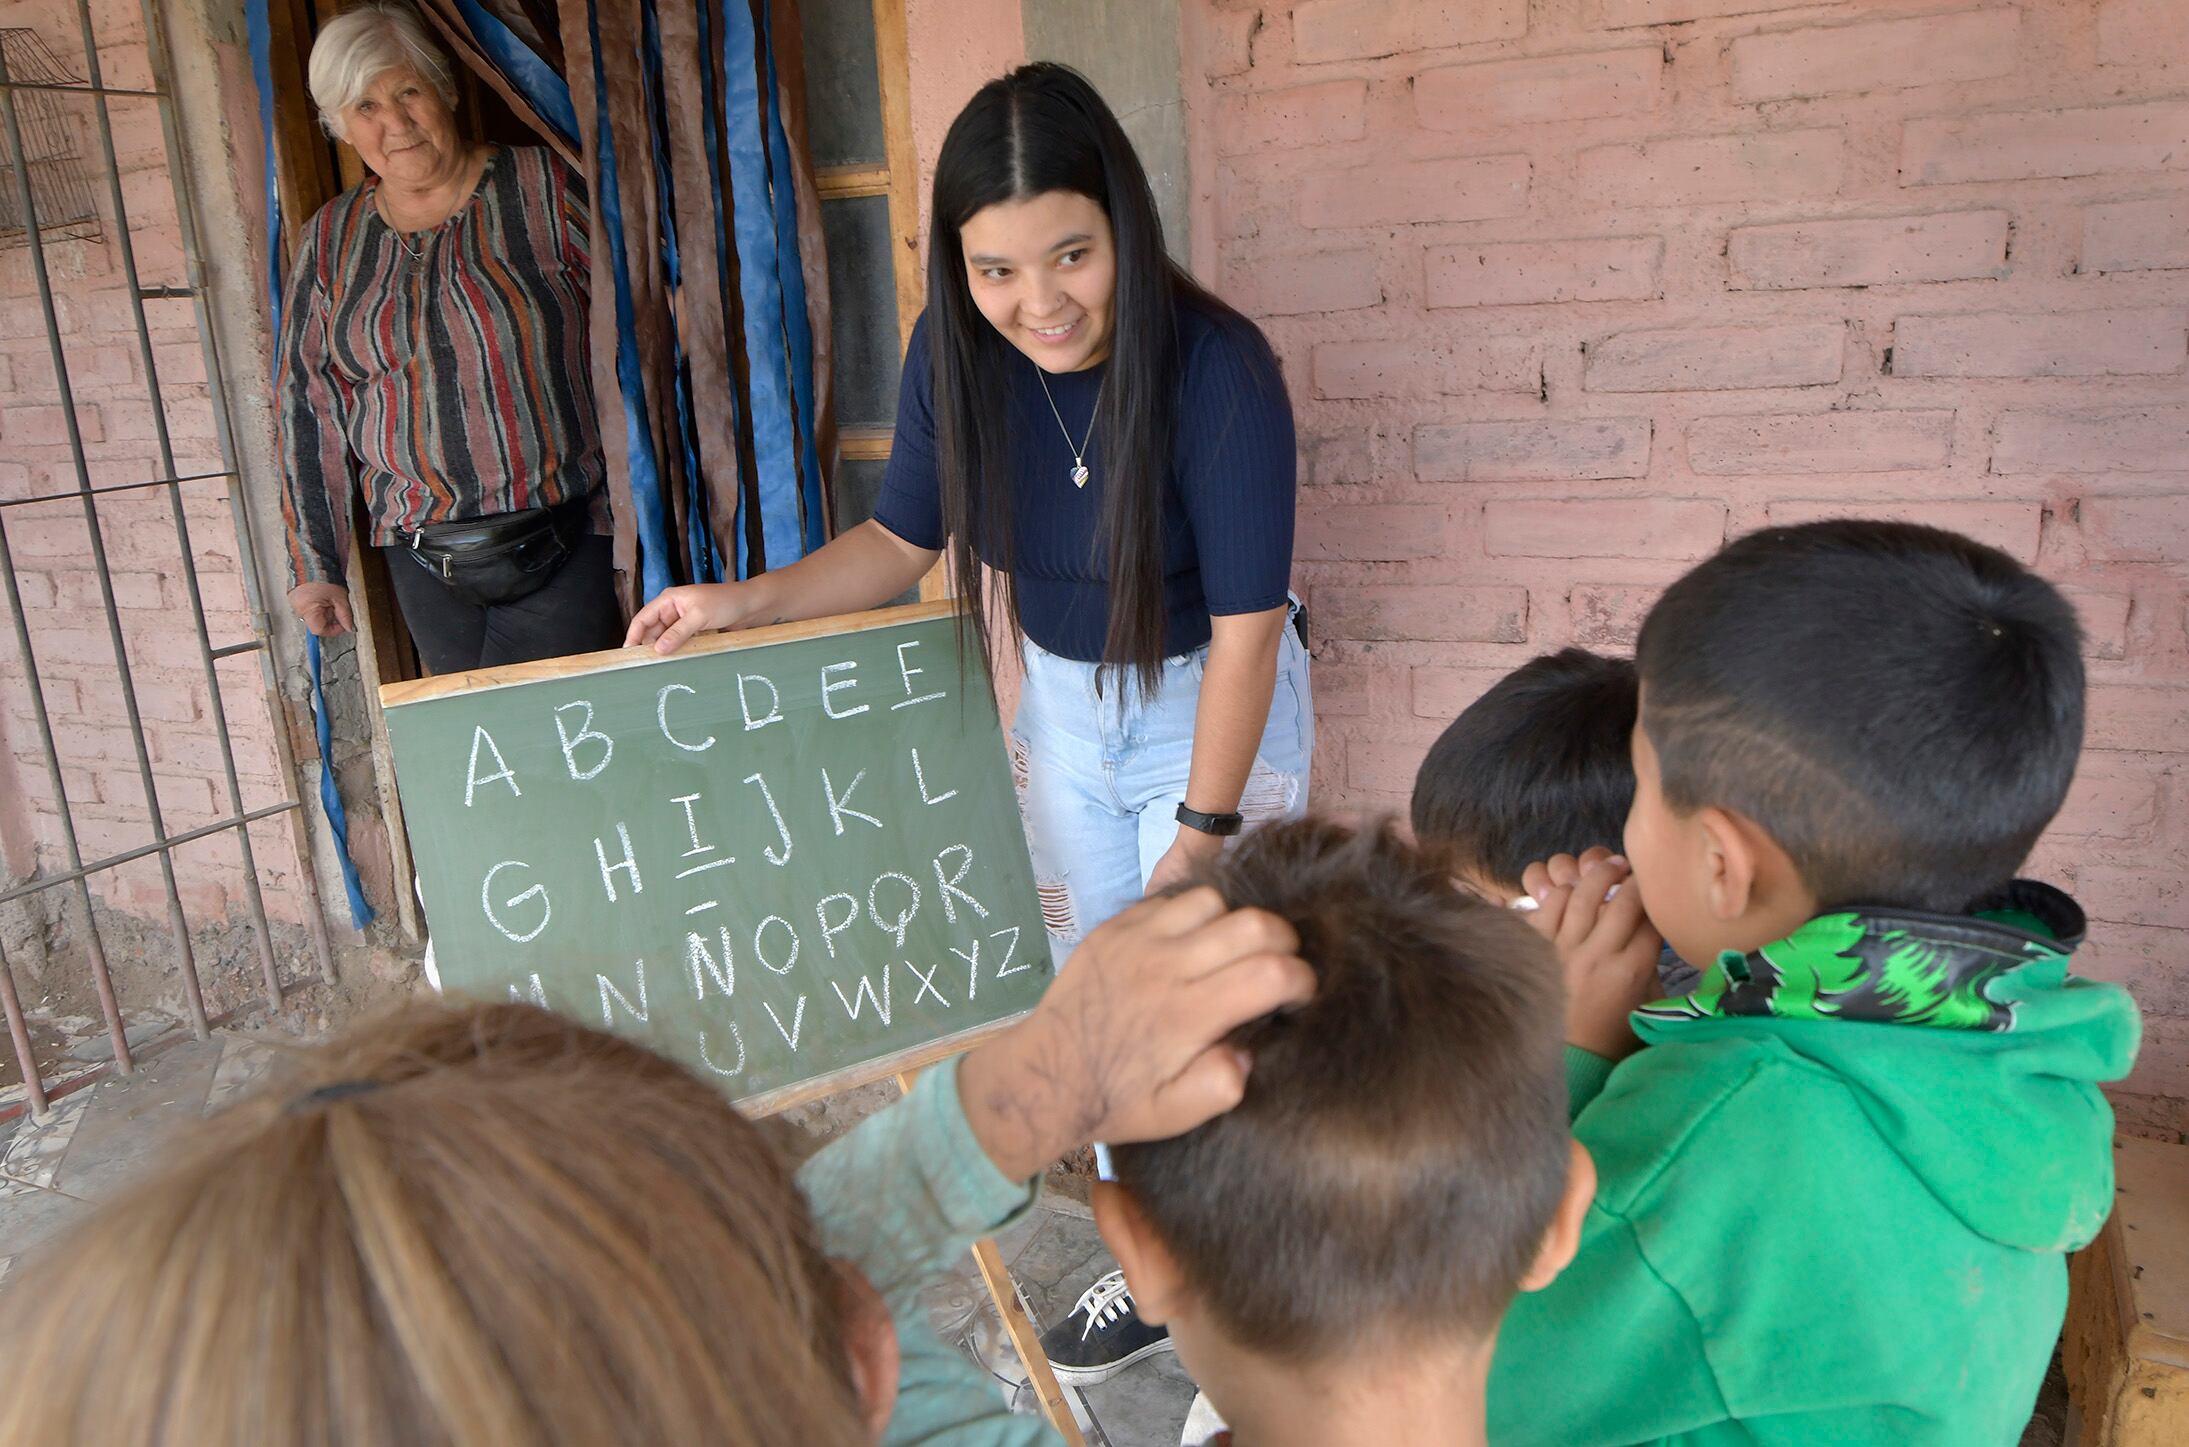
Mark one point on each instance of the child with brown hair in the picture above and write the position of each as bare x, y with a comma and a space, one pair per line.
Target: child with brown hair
1333, 1256
488, 1226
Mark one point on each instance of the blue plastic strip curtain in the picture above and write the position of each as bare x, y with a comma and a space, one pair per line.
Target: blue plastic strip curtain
259, 28
712, 125
700, 554
797, 322
774, 429
546, 92
549, 96
330, 798
646, 501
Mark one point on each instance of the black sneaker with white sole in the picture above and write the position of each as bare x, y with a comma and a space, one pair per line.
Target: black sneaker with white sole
1102, 1336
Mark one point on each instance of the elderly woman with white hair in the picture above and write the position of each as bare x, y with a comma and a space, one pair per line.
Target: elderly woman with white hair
434, 357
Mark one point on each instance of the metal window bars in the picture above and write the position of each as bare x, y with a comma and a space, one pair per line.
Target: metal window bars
65, 208
20, 95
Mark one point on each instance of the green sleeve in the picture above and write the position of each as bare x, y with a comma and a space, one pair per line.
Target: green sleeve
1586, 1073
904, 1196
1606, 1354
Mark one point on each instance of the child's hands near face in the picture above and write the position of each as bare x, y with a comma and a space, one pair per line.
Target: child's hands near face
1128, 1045
1607, 946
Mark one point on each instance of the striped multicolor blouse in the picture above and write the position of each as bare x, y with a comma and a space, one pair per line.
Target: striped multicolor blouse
450, 384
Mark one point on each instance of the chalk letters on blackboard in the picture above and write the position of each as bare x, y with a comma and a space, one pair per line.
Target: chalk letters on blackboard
1012, 969
911, 673
744, 701
972, 968
775, 856
926, 985
661, 717
629, 861
972, 960
585, 731
937, 882
894, 928
701, 961
736, 1038
609, 993
473, 779
829, 932
760, 948
828, 688
950, 885
838, 808
919, 776
486, 903
797, 1021
865, 992
691, 827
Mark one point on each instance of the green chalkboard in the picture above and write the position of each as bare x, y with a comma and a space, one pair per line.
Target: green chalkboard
791, 858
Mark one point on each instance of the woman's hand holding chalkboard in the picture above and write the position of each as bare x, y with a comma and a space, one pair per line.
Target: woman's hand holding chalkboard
1130, 1042
678, 613
860, 569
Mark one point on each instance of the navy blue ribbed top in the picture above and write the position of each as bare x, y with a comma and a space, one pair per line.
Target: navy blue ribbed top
1227, 507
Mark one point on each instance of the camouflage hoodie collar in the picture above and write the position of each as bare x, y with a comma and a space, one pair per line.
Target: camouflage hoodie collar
1891, 966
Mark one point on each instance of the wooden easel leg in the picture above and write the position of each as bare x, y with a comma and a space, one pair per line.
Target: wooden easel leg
1027, 1339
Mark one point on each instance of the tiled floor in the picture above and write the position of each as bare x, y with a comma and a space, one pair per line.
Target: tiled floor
1055, 1254
55, 1170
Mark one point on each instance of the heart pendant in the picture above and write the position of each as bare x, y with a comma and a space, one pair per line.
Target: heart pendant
1079, 477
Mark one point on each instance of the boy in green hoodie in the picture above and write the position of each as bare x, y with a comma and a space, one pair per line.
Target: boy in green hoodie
1839, 1179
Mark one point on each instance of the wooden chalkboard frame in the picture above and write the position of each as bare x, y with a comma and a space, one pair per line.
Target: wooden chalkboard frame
481, 680
417, 690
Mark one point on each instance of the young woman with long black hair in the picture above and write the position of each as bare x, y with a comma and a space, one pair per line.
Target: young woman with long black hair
1115, 445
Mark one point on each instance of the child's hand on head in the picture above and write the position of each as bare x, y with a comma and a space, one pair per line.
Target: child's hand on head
1606, 944
1129, 1044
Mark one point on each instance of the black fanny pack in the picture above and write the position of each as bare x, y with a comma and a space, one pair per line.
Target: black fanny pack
498, 559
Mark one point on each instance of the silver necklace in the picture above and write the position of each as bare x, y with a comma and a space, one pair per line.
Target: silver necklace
415, 253
1079, 453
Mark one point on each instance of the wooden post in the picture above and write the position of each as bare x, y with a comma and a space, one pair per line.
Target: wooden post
1025, 1336
2126, 1348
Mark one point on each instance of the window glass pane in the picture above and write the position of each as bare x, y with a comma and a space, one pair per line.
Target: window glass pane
843, 92
858, 484
862, 285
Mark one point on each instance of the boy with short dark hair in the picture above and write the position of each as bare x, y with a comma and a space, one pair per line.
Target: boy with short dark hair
1539, 765
1839, 1183
1333, 1255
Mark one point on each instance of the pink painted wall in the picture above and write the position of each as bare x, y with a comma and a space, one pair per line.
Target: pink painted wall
956, 47
1570, 291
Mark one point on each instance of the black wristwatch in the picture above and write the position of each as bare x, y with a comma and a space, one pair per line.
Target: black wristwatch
1220, 825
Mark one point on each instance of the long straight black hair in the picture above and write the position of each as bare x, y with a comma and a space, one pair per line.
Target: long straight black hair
1043, 128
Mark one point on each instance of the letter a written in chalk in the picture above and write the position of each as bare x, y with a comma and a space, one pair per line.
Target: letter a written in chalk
473, 778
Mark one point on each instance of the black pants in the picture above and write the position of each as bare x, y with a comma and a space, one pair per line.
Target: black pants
575, 612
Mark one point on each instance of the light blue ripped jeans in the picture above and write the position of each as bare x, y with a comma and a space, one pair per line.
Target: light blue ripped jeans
1102, 775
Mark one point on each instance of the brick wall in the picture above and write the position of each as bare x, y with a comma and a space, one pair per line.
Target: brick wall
1570, 291
52, 548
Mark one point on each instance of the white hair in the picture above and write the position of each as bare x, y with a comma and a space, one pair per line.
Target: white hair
355, 47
